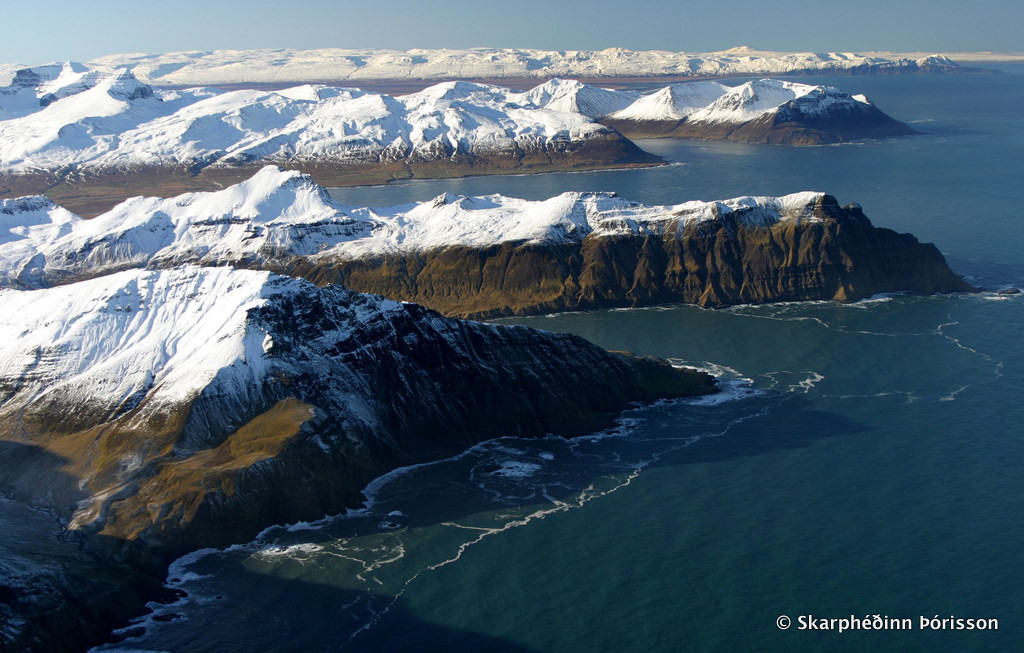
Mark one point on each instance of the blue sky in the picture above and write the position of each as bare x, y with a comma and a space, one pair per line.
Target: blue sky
51, 30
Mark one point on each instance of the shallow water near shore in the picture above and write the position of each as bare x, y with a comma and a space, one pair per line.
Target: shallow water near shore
864, 459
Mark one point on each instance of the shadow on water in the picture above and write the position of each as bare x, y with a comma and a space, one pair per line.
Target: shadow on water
55, 596
305, 616
988, 275
774, 423
313, 609
311, 602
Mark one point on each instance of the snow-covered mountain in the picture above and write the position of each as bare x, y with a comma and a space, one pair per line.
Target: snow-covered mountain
88, 121
338, 65
104, 134
762, 111
572, 96
673, 102
282, 220
208, 390
754, 99
278, 216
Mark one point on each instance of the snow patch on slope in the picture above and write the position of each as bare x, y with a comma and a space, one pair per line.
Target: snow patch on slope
114, 339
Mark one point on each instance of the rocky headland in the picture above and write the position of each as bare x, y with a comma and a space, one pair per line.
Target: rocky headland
493, 255
152, 413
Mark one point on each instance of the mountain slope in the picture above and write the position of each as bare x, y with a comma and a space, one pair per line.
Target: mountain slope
182, 387
157, 412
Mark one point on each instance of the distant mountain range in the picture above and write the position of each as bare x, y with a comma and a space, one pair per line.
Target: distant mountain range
333, 65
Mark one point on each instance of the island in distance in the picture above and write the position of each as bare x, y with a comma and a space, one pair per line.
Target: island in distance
89, 138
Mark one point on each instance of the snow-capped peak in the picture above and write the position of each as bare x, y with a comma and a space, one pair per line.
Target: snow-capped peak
163, 336
56, 81
673, 102
711, 102
754, 99
571, 96
113, 332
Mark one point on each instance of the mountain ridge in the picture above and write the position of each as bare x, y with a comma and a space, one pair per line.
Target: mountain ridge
491, 255
333, 65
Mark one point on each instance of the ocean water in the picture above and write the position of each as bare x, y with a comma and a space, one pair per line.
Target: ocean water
863, 459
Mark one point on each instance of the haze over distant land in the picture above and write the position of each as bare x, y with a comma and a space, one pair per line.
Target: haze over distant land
354, 67
74, 33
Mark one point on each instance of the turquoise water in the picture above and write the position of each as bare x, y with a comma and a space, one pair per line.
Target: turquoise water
864, 459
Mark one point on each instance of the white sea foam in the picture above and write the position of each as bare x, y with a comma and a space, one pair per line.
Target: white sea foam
295, 551
995, 297
731, 390
714, 369
876, 299
516, 469
177, 569
788, 381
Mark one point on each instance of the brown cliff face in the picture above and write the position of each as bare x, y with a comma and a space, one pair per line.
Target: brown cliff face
713, 264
